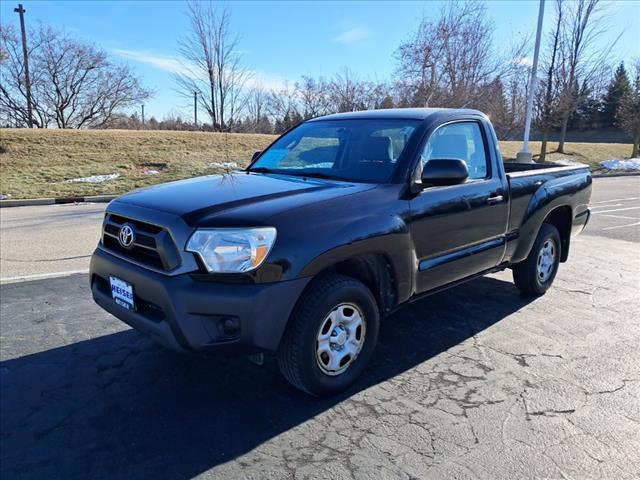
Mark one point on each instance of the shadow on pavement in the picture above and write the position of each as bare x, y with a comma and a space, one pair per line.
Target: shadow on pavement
117, 406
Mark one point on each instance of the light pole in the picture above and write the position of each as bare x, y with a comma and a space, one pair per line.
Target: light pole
195, 109
27, 81
525, 155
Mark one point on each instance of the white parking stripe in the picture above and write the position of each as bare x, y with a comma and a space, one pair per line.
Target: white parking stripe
620, 216
615, 200
618, 210
622, 226
607, 206
40, 276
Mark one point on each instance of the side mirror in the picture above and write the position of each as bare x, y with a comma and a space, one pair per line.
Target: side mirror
255, 155
446, 171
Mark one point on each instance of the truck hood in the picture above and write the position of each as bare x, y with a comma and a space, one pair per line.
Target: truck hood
240, 197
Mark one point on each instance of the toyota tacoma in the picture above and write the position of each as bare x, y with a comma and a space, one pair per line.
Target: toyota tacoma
339, 222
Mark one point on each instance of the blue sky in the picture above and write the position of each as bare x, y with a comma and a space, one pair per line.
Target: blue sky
282, 40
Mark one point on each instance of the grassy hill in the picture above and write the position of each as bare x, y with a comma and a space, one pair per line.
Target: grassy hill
36, 163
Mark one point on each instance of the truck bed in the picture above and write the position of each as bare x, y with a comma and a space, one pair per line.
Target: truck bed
535, 188
515, 169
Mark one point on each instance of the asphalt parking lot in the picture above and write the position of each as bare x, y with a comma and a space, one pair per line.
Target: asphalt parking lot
615, 205
47, 240
474, 382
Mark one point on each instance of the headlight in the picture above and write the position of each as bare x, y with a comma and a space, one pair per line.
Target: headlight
232, 250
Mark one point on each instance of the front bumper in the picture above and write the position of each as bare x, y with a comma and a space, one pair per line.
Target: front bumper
195, 316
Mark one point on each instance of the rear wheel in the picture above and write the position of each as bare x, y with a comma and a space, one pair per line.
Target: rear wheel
536, 273
331, 336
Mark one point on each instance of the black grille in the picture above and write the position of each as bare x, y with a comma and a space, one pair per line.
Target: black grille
152, 247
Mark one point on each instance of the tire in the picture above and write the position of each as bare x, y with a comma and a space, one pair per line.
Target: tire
330, 306
527, 275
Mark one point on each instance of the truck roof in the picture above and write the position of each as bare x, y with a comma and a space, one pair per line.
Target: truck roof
404, 113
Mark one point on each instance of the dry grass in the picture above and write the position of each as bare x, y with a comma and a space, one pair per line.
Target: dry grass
590, 153
35, 163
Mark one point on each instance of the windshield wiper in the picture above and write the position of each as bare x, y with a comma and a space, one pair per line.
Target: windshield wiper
312, 175
294, 173
260, 170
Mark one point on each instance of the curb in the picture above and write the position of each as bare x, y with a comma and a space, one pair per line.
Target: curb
29, 202
617, 174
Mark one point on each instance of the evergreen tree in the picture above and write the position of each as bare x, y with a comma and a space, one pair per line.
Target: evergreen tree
588, 110
628, 114
497, 107
619, 87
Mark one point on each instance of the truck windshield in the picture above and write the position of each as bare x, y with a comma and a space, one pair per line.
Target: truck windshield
354, 150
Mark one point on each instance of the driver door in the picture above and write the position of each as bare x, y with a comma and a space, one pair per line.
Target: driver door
459, 230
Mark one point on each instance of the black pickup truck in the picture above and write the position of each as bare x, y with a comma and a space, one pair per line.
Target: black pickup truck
339, 222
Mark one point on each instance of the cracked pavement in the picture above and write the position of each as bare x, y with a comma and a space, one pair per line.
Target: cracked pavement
474, 382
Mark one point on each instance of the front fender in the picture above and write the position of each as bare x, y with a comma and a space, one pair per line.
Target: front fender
388, 236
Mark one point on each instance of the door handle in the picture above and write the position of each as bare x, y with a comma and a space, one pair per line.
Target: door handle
495, 199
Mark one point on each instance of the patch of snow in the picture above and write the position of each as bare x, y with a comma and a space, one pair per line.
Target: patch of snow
223, 165
94, 178
151, 172
631, 164
5, 196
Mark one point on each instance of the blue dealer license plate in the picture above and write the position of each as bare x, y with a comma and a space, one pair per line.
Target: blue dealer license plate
122, 293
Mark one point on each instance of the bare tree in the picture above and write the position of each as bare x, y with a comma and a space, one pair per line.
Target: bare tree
13, 96
257, 119
212, 65
582, 26
283, 102
547, 100
256, 104
284, 108
348, 93
314, 96
74, 84
451, 61
311, 97
517, 93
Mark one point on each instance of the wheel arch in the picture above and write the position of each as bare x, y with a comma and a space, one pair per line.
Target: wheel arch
375, 270
561, 218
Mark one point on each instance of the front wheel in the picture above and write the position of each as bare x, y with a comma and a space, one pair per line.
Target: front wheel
536, 273
331, 336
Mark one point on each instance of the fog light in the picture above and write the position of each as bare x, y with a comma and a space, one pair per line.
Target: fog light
230, 326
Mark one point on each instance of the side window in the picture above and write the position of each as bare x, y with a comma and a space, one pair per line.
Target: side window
459, 140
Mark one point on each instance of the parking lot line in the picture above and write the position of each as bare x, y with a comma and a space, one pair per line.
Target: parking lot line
622, 226
624, 217
618, 210
613, 205
615, 200
40, 276
608, 206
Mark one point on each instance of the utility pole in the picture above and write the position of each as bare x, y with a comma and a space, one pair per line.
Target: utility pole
27, 81
525, 155
143, 115
195, 109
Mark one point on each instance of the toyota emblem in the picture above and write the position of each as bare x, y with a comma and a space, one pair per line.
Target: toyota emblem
126, 236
